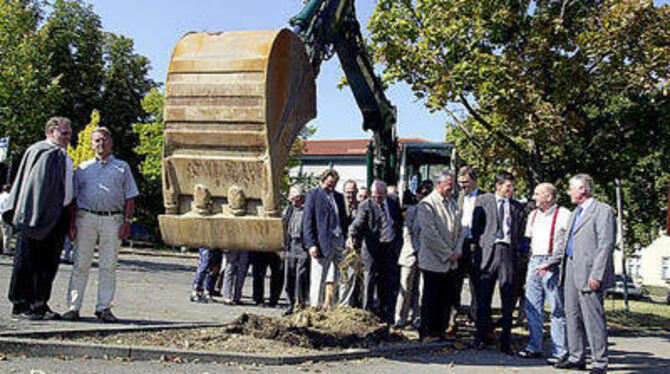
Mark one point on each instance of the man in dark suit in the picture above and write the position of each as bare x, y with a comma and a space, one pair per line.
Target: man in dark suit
324, 225
377, 229
587, 271
467, 181
497, 228
39, 207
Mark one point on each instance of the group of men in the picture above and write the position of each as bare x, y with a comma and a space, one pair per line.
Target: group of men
418, 264
49, 200
414, 264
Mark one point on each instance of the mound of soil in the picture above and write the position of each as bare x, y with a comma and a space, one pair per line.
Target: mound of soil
311, 328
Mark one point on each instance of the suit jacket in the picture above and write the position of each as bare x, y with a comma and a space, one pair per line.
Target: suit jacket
410, 238
484, 227
593, 246
321, 225
35, 203
441, 233
366, 229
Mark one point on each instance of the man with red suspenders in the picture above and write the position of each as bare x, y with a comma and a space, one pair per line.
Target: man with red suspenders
547, 228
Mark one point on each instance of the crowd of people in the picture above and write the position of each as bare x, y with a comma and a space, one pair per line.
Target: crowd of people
411, 267
356, 249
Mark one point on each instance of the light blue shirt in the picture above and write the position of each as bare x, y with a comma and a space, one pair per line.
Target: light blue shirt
104, 187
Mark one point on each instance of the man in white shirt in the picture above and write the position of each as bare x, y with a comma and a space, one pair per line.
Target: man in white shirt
546, 227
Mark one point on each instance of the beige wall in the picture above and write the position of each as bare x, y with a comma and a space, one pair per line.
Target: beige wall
650, 260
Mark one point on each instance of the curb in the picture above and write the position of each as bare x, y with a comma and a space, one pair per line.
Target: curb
32, 343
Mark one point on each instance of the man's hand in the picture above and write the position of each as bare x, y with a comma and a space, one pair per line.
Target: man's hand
72, 233
124, 230
542, 270
350, 242
454, 257
594, 284
314, 252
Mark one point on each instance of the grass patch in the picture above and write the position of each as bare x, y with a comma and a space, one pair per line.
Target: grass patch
642, 314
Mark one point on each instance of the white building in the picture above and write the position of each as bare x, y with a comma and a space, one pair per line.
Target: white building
650, 265
346, 156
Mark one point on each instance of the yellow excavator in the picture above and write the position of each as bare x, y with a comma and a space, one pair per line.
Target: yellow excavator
235, 103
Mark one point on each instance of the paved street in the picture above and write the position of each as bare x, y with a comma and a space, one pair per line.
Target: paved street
155, 289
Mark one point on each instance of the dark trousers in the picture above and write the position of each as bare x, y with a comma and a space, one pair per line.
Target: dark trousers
382, 275
465, 268
35, 266
296, 280
501, 268
209, 266
260, 262
436, 301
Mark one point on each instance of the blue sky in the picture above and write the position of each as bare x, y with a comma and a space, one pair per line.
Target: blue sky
156, 26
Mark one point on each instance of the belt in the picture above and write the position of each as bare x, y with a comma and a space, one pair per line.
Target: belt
102, 213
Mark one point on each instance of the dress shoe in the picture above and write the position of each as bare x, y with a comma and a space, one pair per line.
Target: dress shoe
71, 315
598, 371
50, 315
507, 350
195, 297
527, 353
106, 316
567, 364
553, 360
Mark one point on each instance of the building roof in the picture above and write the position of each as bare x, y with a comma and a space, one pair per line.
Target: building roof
343, 147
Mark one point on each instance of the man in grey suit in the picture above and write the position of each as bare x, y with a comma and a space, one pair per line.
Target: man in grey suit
587, 271
497, 227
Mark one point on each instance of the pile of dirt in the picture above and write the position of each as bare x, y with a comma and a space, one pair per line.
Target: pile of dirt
307, 331
312, 328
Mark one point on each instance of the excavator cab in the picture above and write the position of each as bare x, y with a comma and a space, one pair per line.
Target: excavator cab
234, 104
420, 161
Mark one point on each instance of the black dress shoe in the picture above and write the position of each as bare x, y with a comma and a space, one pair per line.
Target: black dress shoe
567, 364
527, 353
598, 371
508, 351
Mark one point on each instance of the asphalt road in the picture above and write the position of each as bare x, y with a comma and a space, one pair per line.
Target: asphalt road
155, 289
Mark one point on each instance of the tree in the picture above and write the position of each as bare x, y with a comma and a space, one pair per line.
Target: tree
544, 88
28, 93
126, 84
84, 150
150, 151
75, 42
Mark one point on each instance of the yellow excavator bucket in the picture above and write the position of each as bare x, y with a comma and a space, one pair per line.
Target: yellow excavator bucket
235, 102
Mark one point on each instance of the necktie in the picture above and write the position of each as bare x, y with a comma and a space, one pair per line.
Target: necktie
571, 240
501, 217
384, 224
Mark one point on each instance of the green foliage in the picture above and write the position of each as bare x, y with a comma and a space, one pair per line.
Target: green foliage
75, 43
126, 84
543, 89
150, 150
84, 150
27, 91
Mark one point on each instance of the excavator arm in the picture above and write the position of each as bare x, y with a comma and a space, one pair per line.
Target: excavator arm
330, 27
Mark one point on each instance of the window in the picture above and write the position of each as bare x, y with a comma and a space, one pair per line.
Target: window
665, 268
634, 267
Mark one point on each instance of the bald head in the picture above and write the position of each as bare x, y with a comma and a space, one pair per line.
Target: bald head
545, 196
